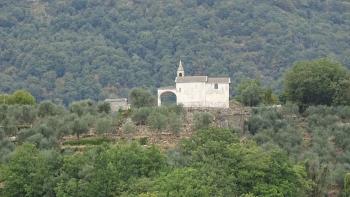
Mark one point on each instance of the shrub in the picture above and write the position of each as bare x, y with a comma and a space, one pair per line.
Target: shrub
47, 108
347, 184
89, 141
250, 93
344, 112
140, 97
104, 125
79, 126
178, 109
157, 120
174, 122
139, 116
202, 120
104, 107
143, 140
129, 127
83, 107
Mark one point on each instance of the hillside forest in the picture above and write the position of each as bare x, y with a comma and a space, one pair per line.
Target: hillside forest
298, 148
286, 133
68, 50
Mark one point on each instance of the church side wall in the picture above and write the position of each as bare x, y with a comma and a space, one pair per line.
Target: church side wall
191, 94
218, 98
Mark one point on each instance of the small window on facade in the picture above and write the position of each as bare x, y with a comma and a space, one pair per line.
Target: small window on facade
216, 86
180, 74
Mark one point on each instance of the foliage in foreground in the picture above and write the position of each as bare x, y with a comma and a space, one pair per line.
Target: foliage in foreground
213, 162
319, 138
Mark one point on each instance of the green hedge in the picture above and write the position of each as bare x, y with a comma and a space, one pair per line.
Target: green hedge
89, 141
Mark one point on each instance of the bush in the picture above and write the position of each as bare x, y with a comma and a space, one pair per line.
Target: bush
344, 112
178, 109
139, 116
104, 107
174, 123
269, 98
202, 120
47, 108
143, 140
250, 93
89, 141
347, 184
104, 125
255, 123
129, 127
140, 97
79, 126
157, 120
83, 107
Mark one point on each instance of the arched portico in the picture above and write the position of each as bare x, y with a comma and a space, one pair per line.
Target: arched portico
163, 91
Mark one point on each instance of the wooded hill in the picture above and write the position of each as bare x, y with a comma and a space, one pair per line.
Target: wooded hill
276, 152
68, 50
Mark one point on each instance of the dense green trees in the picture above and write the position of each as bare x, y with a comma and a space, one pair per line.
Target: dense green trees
66, 51
240, 168
159, 118
46, 123
319, 137
108, 171
308, 153
214, 162
318, 82
30, 172
103, 171
250, 92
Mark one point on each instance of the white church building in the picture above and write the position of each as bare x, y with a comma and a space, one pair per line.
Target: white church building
199, 91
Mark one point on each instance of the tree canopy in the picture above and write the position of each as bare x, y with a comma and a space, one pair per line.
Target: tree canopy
215, 163
140, 97
80, 49
21, 97
318, 82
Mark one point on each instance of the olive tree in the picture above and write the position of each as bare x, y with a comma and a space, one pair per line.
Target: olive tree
140, 97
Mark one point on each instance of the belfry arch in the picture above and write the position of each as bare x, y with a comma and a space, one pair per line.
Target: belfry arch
165, 90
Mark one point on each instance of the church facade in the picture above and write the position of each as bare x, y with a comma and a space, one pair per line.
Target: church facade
199, 91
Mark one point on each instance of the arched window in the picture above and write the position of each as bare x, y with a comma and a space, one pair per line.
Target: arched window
216, 86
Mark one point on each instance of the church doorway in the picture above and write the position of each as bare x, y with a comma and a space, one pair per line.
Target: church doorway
168, 98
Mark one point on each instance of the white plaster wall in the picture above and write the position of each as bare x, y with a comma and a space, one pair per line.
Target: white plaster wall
218, 98
202, 95
191, 94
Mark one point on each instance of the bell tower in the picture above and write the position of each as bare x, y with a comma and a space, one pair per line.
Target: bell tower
180, 70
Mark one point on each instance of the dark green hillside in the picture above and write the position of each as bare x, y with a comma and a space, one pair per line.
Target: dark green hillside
74, 49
